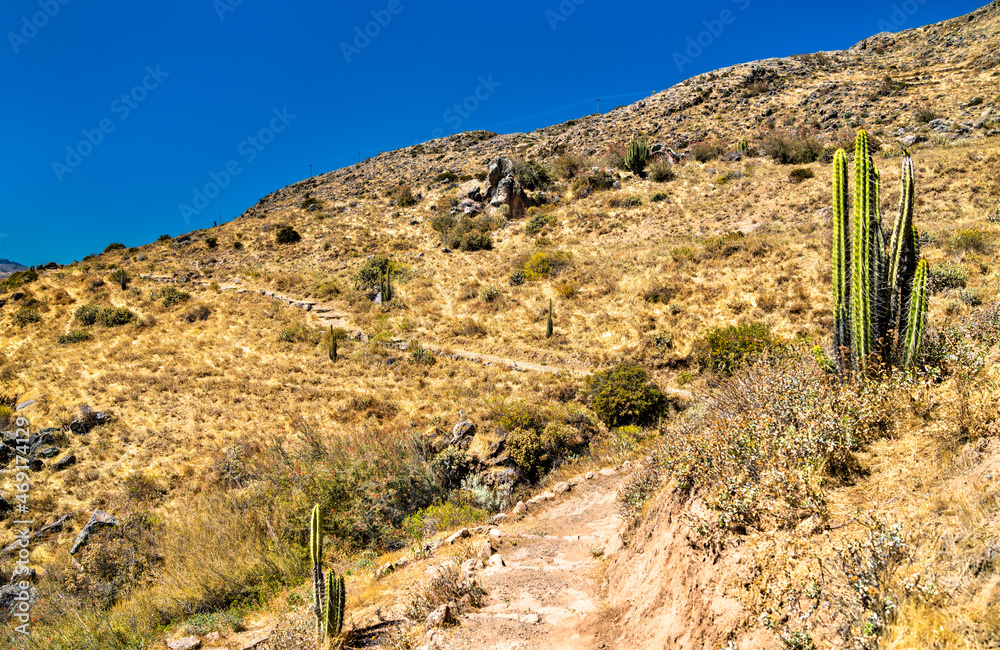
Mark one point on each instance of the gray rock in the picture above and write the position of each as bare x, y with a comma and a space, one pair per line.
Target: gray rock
590, 475
519, 510
560, 487
487, 551
99, 519
462, 534
472, 565
463, 433
11, 596
496, 560
48, 452
187, 643
64, 462
443, 615
24, 405
607, 471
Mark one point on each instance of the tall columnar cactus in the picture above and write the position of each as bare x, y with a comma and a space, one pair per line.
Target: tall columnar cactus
548, 326
637, 154
328, 591
880, 295
333, 346
387, 296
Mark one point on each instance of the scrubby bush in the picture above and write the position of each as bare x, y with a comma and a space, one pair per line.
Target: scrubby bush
196, 313
489, 294
800, 174
948, 276
163, 238
625, 395
121, 277
114, 247
543, 264
476, 240
451, 466
170, 296
723, 349
659, 196
87, 314
569, 166
288, 235
704, 152
516, 278
26, 316
531, 174
537, 222
212, 242
925, 114
115, 316
970, 240
405, 197
593, 181
75, 336
799, 148
18, 279
308, 201
632, 201
465, 233
445, 177
661, 171
237, 245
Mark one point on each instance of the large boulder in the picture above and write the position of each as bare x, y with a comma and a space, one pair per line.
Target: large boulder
502, 188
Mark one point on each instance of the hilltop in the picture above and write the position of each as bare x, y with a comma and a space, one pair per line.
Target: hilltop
198, 399
8, 267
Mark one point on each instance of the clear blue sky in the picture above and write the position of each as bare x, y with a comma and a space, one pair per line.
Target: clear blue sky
115, 113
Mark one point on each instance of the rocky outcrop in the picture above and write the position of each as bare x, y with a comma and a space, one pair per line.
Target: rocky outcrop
99, 519
503, 188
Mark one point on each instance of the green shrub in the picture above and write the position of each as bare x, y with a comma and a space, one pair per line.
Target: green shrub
120, 277
476, 240
237, 245
516, 278
87, 314
659, 196
544, 263
18, 279
465, 233
212, 242
451, 467
115, 316
625, 395
445, 516
724, 348
445, 177
114, 247
537, 222
948, 276
288, 235
632, 201
164, 238
704, 152
531, 174
308, 201
524, 448
798, 148
593, 181
925, 114
970, 240
369, 277
661, 171
800, 174
569, 166
490, 293
170, 296
405, 197
26, 316
75, 336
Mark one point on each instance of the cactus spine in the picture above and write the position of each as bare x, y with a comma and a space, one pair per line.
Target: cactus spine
548, 326
879, 294
637, 155
328, 591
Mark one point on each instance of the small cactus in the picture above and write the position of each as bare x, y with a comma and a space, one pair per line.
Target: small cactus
121, 277
329, 596
548, 326
637, 155
333, 346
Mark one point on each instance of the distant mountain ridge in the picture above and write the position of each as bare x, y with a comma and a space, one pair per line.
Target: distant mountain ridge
7, 267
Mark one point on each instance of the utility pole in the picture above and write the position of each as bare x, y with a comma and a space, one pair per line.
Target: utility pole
598, 105
310, 170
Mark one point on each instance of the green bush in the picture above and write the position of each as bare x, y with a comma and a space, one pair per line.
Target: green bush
369, 277
451, 466
308, 201
87, 314
524, 448
516, 278
661, 171
237, 245
490, 293
288, 235
114, 247
18, 279
445, 177
925, 114
121, 277
115, 316
75, 336
659, 196
793, 148
724, 348
476, 240
569, 166
531, 174
405, 197
625, 395
800, 174
164, 238
632, 201
970, 240
212, 242
948, 276
170, 296
704, 152
26, 316
593, 181
537, 222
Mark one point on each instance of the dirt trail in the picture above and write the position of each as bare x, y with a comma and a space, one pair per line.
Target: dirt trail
549, 593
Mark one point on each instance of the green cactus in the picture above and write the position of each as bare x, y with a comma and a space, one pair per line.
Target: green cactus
122, 277
387, 296
637, 155
328, 591
879, 294
333, 346
548, 327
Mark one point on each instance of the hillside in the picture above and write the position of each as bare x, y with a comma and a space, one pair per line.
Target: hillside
199, 402
8, 267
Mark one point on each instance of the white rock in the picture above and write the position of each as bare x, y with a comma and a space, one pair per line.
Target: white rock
187, 643
531, 619
607, 471
519, 510
496, 560
547, 496
495, 533
487, 551
472, 565
590, 475
559, 488
500, 518
457, 536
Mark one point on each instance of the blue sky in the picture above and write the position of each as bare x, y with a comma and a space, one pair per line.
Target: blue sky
122, 119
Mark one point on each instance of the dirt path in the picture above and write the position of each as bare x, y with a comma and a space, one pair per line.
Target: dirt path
548, 594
